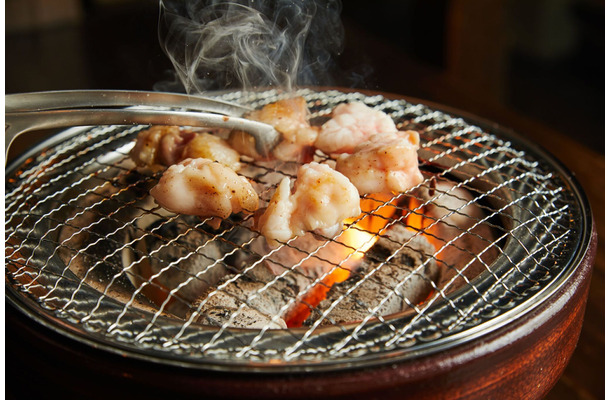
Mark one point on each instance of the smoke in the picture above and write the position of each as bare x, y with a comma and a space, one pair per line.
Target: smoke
249, 44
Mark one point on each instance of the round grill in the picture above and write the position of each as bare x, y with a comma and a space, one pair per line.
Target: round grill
81, 227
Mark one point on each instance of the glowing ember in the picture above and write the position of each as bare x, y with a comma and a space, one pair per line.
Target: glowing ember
378, 214
377, 210
358, 238
456, 225
357, 241
416, 218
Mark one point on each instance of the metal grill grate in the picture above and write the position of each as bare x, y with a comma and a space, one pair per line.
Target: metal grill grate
90, 254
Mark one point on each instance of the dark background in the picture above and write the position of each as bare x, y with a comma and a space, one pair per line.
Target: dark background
537, 66
543, 59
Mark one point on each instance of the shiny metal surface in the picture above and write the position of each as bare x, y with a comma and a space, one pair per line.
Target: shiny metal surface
84, 182
27, 112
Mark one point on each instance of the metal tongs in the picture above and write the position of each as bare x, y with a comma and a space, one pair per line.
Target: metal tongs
26, 112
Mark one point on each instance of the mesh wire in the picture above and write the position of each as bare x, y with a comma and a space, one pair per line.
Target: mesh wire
90, 252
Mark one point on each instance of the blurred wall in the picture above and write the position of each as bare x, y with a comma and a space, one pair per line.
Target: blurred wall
542, 58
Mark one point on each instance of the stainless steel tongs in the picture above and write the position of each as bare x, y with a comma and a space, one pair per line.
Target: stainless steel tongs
26, 112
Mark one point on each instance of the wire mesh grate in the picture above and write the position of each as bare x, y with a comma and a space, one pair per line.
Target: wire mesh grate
488, 234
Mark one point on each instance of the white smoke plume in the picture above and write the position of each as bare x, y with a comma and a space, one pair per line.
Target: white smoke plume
251, 44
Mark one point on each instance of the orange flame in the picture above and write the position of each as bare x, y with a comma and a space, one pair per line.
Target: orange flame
358, 238
416, 218
377, 213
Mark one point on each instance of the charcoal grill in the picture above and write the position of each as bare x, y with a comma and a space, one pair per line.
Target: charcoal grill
78, 218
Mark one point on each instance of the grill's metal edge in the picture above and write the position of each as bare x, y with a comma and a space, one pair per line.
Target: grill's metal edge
378, 358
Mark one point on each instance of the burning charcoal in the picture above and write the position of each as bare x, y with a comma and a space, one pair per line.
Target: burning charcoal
243, 302
401, 279
464, 246
315, 256
170, 255
96, 225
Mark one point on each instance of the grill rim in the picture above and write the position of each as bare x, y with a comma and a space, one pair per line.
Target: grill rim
396, 355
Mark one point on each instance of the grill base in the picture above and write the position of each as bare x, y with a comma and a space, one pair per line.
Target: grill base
521, 360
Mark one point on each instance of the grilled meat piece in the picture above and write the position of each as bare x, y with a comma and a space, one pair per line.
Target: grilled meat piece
350, 125
290, 118
320, 201
204, 188
160, 146
385, 163
206, 145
